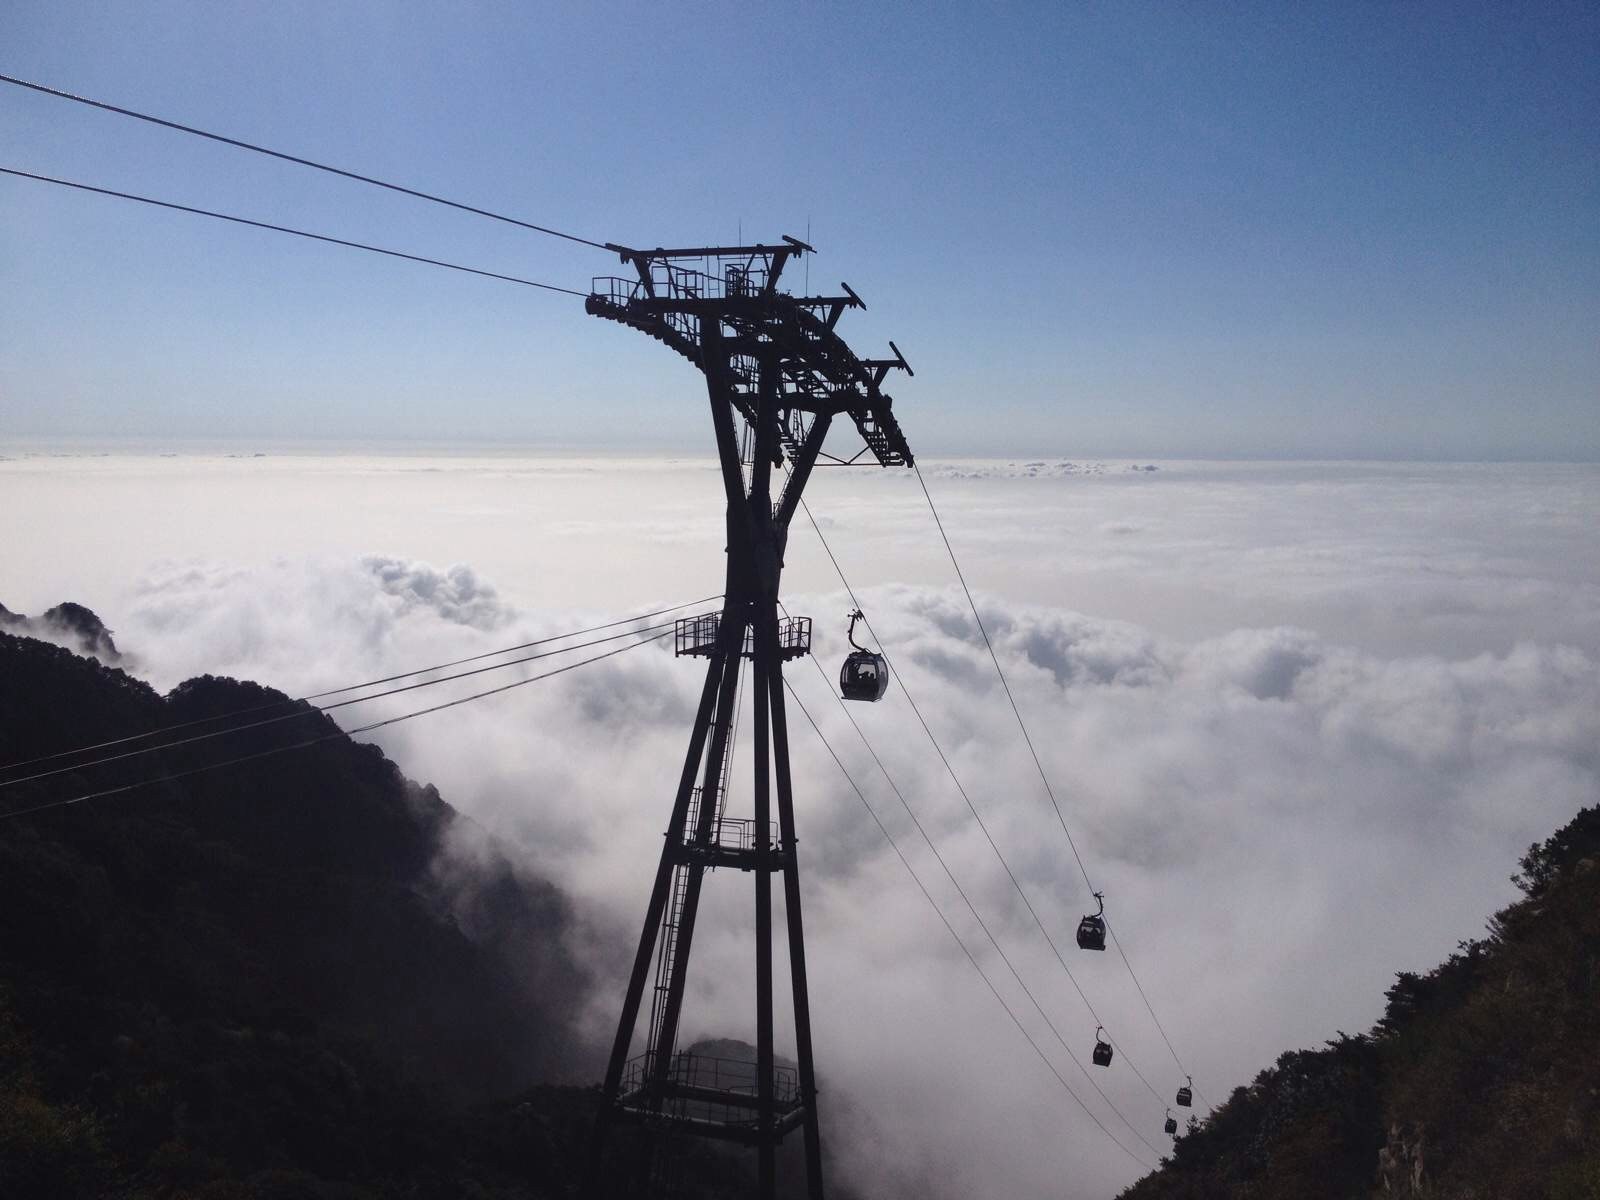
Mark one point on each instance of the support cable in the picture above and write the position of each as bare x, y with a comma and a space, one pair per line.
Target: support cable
316, 237
304, 162
982, 924
972, 808
1039, 766
666, 626
353, 687
330, 737
971, 958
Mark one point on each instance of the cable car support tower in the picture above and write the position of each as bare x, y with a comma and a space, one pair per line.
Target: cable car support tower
777, 374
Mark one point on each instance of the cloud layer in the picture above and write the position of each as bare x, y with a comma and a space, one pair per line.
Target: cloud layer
1280, 823
1282, 812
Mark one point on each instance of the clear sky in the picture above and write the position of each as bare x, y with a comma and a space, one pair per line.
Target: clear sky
1341, 230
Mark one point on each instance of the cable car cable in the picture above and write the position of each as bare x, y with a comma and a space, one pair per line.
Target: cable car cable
325, 708
971, 958
239, 712
1038, 765
293, 158
982, 924
329, 737
961, 788
961, 577
316, 237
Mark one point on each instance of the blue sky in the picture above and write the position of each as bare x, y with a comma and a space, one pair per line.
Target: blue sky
1346, 230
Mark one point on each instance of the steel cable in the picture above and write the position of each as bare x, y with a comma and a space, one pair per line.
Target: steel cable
984, 925
1039, 766
293, 158
971, 958
339, 691
329, 737
316, 237
978, 817
326, 708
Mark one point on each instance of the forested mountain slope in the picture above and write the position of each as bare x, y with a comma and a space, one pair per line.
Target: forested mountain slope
1480, 1082
268, 981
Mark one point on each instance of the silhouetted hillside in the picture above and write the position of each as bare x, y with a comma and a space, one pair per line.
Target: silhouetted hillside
1482, 1079
270, 980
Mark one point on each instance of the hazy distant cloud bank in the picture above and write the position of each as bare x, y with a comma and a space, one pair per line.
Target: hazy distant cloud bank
1032, 469
304, 619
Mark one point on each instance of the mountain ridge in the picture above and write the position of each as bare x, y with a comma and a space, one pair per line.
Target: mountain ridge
1481, 1081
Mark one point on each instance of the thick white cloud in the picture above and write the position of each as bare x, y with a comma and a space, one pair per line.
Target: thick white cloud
456, 594
1299, 720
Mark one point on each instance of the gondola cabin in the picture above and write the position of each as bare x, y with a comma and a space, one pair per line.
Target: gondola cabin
1102, 1050
865, 675
1091, 934
1092, 929
1186, 1093
1172, 1125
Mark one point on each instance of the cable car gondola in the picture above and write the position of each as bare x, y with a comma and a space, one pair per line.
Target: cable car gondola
1102, 1048
1171, 1126
1092, 929
1186, 1092
865, 675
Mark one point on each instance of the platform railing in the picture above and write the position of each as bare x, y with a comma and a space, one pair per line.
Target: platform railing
697, 635
732, 833
708, 1088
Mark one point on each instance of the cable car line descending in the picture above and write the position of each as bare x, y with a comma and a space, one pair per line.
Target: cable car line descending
1003, 682
316, 237
304, 162
982, 924
944, 920
667, 626
338, 691
331, 737
971, 807
1039, 766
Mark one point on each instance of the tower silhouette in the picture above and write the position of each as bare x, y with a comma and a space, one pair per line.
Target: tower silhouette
777, 374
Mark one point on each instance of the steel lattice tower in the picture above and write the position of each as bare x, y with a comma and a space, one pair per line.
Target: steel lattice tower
774, 364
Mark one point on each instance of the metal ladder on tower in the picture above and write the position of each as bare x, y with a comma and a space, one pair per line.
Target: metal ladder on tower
671, 916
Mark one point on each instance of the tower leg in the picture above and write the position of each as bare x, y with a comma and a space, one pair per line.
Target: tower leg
797, 944
766, 1146
659, 892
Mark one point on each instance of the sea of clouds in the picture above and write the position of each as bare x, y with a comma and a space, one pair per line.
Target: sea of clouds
1300, 719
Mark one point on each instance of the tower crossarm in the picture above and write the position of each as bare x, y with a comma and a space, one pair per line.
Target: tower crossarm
673, 291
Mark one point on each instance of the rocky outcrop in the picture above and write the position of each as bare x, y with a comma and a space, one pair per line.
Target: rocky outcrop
1401, 1162
70, 625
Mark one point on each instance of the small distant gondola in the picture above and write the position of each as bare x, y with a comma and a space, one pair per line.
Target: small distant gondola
865, 675
1186, 1092
1172, 1125
1102, 1048
1092, 929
